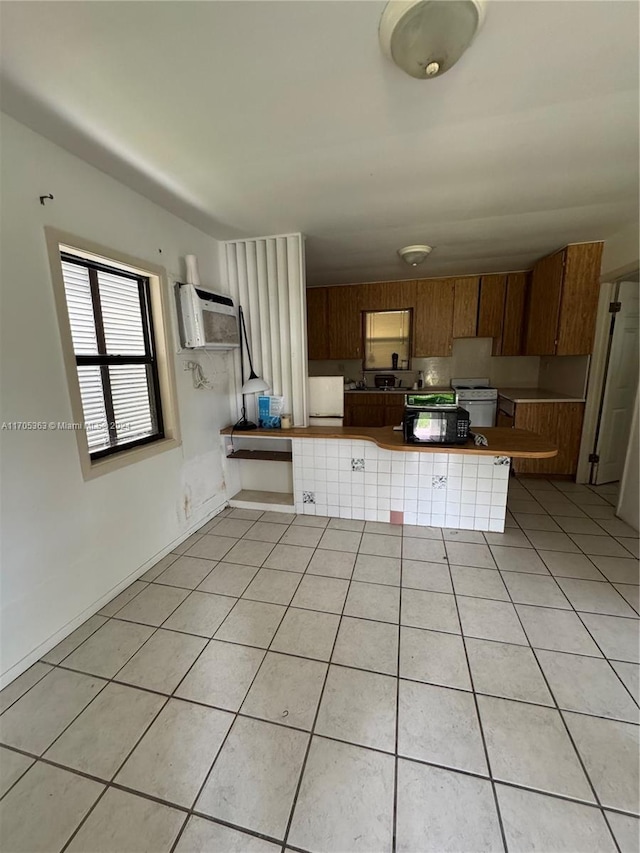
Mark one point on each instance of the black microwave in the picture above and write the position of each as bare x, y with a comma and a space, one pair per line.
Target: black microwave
436, 425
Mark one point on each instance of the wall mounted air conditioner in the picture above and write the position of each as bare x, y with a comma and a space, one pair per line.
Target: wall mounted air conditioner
209, 320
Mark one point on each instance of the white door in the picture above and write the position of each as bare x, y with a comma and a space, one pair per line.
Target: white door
620, 387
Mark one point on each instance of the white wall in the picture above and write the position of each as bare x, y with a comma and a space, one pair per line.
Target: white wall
629, 500
564, 374
469, 357
67, 544
620, 253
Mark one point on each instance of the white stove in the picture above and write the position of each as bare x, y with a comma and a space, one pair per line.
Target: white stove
478, 398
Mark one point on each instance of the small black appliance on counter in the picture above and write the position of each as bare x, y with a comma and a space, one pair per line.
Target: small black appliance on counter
384, 380
435, 418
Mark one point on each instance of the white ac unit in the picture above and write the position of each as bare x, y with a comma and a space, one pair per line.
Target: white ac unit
209, 319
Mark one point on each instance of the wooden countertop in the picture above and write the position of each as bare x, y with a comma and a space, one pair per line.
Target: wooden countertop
536, 395
503, 441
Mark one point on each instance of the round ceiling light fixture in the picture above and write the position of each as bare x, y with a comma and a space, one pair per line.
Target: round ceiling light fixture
427, 37
414, 255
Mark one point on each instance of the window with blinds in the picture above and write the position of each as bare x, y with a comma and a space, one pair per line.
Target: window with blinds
112, 332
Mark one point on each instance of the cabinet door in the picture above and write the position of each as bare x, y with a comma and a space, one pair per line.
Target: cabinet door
433, 317
561, 423
344, 321
317, 336
367, 416
544, 305
393, 414
493, 290
465, 307
514, 309
570, 418
579, 303
543, 419
504, 420
388, 295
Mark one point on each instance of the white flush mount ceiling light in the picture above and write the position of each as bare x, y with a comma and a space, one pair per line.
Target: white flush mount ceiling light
414, 255
427, 37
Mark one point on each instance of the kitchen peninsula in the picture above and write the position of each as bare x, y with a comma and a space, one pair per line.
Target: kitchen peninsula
370, 473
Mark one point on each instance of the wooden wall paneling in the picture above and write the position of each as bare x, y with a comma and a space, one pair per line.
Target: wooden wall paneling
465, 307
544, 305
579, 303
344, 320
317, 332
513, 325
433, 317
493, 290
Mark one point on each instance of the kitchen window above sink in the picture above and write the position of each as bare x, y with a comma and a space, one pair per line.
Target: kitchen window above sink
386, 333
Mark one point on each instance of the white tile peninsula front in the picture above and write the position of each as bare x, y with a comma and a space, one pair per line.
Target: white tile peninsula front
346, 478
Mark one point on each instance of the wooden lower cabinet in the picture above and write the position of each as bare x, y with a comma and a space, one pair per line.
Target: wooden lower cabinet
561, 423
372, 410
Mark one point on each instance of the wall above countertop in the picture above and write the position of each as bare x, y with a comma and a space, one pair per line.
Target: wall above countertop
565, 375
470, 357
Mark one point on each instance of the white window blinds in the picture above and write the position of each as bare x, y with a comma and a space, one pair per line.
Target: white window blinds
112, 334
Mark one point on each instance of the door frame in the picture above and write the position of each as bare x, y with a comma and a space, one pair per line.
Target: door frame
597, 368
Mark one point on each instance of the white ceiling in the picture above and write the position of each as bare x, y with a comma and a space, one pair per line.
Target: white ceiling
253, 118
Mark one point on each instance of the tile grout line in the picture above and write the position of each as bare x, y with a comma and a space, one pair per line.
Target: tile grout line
578, 613
200, 703
305, 759
419, 761
237, 712
108, 783
208, 639
394, 839
479, 718
569, 735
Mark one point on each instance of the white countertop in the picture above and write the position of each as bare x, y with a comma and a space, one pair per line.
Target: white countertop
536, 395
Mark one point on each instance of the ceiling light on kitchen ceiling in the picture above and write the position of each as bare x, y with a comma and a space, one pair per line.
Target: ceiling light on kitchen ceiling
414, 255
427, 37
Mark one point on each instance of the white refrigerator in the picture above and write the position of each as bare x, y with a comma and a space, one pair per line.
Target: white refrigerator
326, 400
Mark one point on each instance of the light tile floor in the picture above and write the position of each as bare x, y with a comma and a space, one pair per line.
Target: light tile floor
291, 683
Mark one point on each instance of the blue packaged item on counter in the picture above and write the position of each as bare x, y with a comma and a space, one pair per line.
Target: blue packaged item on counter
269, 412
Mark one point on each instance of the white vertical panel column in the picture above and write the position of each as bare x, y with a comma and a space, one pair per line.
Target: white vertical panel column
267, 278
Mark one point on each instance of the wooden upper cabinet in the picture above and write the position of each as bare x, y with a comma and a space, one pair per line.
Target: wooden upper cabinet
388, 295
579, 303
545, 293
344, 321
433, 317
317, 333
493, 290
512, 342
563, 301
465, 307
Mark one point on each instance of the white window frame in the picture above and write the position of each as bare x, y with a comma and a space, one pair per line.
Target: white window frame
60, 241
